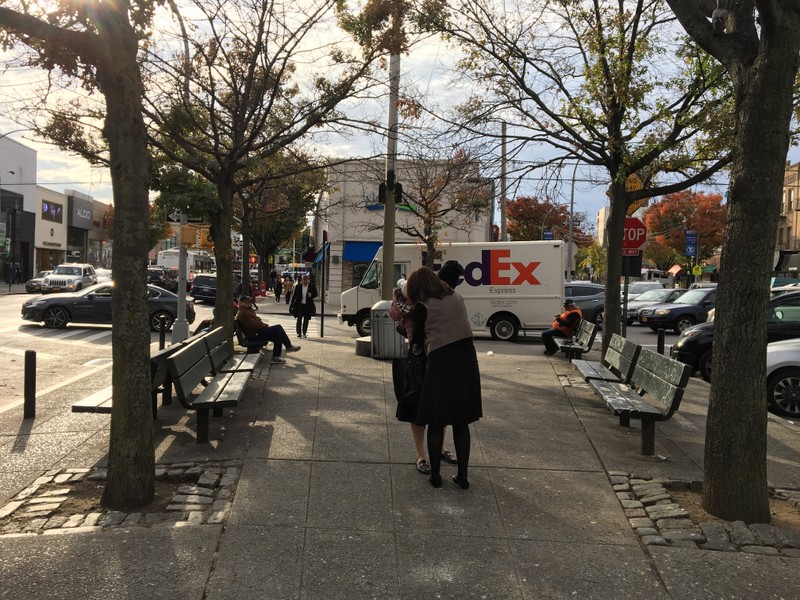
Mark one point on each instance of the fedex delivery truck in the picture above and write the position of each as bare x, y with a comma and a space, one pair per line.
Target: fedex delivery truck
507, 287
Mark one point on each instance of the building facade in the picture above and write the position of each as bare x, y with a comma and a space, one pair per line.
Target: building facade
787, 242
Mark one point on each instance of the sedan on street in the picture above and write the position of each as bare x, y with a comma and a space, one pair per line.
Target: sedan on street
687, 310
650, 298
93, 305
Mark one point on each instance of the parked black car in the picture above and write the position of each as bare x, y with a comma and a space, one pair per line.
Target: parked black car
93, 305
589, 297
686, 310
695, 344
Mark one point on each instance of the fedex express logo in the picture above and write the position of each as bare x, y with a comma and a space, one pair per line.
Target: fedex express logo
495, 268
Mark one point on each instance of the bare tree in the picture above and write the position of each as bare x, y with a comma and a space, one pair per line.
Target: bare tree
757, 42
606, 84
256, 79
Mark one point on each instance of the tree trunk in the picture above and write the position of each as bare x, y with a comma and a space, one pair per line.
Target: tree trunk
131, 462
735, 452
615, 229
222, 225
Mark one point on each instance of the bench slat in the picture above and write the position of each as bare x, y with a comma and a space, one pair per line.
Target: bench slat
99, 402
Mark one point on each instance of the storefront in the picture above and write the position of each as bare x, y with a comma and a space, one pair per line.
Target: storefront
78, 226
51, 229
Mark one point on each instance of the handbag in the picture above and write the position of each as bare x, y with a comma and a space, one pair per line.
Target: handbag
414, 372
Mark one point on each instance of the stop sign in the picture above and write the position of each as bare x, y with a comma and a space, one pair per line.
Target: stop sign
635, 234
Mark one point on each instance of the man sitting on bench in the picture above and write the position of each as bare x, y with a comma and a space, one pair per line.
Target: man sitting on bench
255, 329
564, 326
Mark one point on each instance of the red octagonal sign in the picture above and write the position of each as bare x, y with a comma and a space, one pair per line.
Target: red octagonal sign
635, 234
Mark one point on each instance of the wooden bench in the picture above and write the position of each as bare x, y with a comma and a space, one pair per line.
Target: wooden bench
220, 352
659, 379
189, 368
160, 381
581, 342
616, 364
253, 346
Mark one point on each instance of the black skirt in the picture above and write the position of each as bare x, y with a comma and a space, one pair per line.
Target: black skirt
451, 394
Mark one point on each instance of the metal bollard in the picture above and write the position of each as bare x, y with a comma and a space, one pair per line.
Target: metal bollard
162, 332
661, 335
29, 410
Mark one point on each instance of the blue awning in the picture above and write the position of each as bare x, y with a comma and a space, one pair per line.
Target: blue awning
360, 251
321, 254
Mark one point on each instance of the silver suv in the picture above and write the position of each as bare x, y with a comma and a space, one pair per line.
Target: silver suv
69, 277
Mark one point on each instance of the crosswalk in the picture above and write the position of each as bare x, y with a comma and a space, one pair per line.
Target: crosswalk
99, 335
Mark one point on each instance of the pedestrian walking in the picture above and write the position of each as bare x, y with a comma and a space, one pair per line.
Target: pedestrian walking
302, 305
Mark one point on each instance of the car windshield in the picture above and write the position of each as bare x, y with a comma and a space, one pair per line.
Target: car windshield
654, 296
41, 274
67, 271
640, 287
692, 297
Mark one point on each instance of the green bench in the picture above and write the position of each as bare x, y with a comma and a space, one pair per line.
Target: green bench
581, 342
616, 364
659, 382
160, 381
204, 380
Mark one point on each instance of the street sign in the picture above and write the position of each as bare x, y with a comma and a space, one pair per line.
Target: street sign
691, 244
547, 235
630, 252
635, 235
697, 270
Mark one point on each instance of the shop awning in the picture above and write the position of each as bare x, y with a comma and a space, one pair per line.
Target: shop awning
674, 270
710, 269
321, 254
360, 251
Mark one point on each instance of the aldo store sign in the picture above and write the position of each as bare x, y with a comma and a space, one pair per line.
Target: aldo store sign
80, 214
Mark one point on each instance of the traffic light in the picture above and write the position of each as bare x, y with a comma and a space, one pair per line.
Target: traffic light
382, 193
398, 193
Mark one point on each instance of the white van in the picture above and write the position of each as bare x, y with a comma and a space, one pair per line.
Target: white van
507, 286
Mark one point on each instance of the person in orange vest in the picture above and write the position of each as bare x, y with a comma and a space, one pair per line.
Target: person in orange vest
564, 326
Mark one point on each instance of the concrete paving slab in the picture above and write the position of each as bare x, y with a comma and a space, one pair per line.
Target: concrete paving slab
443, 567
704, 575
449, 510
588, 571
160, 562
360, 442
343, 565
283, 438
350, 496
13, 482
258, 562
287, 405
530, 415
272, 493
532, 448
560, 506
34, 451
350, 408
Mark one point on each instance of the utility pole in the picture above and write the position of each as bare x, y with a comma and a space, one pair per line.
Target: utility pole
503, 184
387, 283
571, 213
180, 328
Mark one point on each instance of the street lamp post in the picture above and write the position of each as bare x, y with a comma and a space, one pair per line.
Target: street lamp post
571, 219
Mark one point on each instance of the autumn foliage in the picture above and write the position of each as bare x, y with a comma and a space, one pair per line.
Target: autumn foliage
529, 217
668, 221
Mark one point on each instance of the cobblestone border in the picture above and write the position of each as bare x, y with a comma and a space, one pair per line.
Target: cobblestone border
658, 521
203, 497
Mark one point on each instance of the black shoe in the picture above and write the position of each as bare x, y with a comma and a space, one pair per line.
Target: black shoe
436, 481
462, 483
549, 352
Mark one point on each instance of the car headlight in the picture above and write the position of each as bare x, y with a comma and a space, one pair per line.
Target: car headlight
662, 312
685, 336
35, 302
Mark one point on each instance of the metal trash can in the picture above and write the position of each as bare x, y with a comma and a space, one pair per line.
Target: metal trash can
386, 342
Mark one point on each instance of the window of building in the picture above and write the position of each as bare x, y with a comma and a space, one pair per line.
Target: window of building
790, 200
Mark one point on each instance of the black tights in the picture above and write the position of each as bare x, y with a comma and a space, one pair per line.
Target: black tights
461, 440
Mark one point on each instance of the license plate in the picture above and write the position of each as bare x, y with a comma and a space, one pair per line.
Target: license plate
56, 289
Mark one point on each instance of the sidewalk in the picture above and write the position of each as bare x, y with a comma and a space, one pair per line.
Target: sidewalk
330, 506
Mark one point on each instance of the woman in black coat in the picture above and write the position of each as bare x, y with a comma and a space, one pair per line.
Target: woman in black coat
302, 304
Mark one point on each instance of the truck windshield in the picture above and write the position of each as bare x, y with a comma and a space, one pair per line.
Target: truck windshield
370, 279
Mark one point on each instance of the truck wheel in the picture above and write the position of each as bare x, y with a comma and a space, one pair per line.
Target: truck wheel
362, 323
504, 327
